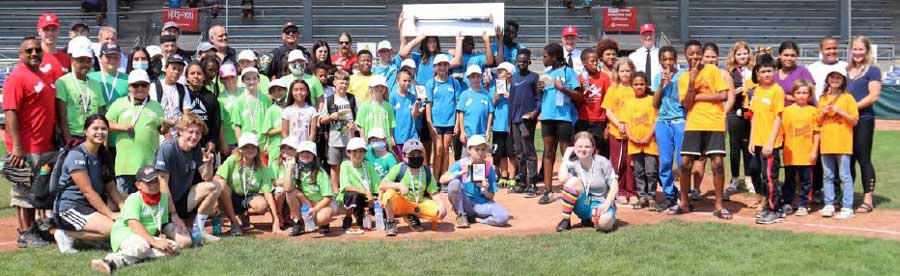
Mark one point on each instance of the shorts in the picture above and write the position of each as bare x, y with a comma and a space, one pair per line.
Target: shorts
126, 184
182, 208
444, 130
75, 218
503, 145
428, 209
561, 130
424, 134
703, 143
354, 199
336, 155
241, 203
20, 195
584, 211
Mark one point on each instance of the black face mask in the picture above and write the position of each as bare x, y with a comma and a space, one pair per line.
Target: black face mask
415, 162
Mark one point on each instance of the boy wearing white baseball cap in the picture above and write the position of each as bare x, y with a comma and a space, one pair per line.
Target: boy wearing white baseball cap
471, 184
74, 98
359, 186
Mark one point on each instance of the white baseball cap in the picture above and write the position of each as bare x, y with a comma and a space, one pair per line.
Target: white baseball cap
291, 141
280, 82
384, 44
138, 75
377, 80
246, 55
250, 69
154, 50
441, 58
509, 67
248, 139
473, 69
295, 55
408, 63
307, 146
475, 140
80, 47
377, 133
356, 143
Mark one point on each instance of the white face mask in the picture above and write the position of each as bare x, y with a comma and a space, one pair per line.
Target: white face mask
296, 68
140, 65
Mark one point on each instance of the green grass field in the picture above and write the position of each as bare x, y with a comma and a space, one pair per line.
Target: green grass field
671, 248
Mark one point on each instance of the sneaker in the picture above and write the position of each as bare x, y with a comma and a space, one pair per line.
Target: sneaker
695, 195
586, 223
546, 198
462, 221
472, 218
415, 224
531, 191
30, 239
768, 218
726, 195
845, 213
298, 228
245, 222
207, 237
103, 266
787, 209
564, 225
734, 186
236, 231
511, 183
324, 230
801, 211
390, 227
827, 211
518, 189
347, 222
748, 181
653, 207
64, 242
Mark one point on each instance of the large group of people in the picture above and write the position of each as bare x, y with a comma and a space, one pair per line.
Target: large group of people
157, 141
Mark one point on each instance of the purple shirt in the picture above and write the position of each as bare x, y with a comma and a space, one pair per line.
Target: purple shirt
859, 87
788, 83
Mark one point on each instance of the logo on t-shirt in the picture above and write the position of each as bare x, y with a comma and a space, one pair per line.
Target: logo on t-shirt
200, 109
39, 87
46, 68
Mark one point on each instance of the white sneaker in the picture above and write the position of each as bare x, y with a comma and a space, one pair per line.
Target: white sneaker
827, 211
64, 242
845, 213
801, 211
207, 237
749, 183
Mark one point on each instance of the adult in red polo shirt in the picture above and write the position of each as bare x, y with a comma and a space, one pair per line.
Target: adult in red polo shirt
345, 57
48, 30
28, 101
591, 116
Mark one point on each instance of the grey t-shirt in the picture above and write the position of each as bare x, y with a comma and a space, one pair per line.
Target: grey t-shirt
339, 131
79, 160
597, 179
180, 165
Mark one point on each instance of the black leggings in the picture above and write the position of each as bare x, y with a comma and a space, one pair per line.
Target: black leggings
738, 139
862, 153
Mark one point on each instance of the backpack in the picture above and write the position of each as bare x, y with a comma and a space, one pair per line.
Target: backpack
178, 86
331, 108
402, 172
47, 192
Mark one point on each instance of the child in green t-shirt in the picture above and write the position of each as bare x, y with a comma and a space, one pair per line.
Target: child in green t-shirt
377, 111
378, 154
359, 185
142, 231
278, 91
305, 184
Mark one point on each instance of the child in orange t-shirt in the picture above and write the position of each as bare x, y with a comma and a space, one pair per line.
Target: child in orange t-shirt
838, 114
765, 137
640, 120
614, 103
801, 146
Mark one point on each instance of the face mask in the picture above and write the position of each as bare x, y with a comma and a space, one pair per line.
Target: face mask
306, 166
296, 68
415, 162
140, 65
282, 102
379, 145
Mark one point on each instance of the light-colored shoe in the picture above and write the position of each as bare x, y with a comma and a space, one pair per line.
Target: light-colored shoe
64, 242
621, 200
749, 183
845, 213
801, 211
207, 237
827, 211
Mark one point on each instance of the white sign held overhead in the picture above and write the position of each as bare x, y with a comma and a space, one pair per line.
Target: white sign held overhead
450, 19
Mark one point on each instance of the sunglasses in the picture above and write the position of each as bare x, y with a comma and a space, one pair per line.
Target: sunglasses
36, 50
140, 85
291, 32
344, 42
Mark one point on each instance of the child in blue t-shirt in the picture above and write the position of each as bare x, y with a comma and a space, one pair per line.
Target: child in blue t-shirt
442, 91
474, 108
561, 89
502, 141
472, 183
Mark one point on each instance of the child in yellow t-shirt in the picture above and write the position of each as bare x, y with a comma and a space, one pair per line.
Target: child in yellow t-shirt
767, 104
838, 114
640, 119
801, 146
614, 103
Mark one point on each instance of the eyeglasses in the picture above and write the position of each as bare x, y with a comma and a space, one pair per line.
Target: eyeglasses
344, 42
36, 50
140, 85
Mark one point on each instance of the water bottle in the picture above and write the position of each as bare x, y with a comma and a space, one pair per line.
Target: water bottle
308, 223
368, 220
217, 225
195, 237
379, 217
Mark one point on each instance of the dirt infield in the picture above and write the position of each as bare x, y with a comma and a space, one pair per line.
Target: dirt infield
892, 125
531, 218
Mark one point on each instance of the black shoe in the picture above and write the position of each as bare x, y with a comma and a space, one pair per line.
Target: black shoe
546, 198
586, 223
531, 191
519, 188
768, 217
564, 225
298, 228
348, 221
390, 227
787, 209
414, 223
30, 239
472, 218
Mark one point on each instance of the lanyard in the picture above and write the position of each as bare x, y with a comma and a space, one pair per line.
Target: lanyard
364, 180
157, 217
85, 97
106, 89
415, 181
254, 110
586, 178
244, 177
141, 111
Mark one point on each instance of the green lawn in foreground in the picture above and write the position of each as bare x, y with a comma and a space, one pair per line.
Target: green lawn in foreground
668, 248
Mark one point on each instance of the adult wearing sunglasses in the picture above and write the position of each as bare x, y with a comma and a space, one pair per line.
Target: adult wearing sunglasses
290, 35
345, 57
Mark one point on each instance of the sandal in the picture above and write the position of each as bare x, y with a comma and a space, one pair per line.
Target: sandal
675, 210
723, 214
864, 208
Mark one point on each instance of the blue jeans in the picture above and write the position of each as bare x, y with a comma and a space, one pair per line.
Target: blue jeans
490, 213
669, 135
841, 162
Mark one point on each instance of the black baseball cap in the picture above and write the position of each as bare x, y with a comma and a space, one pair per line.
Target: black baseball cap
79, 23
175, 58
146, 174
289, 25
109, 48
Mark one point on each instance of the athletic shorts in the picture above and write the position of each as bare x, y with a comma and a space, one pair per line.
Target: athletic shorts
241, 203
584, 211
503, 145
75, 218
336, 155
703, 143
354, 199
444, 130
561, 130
428, 209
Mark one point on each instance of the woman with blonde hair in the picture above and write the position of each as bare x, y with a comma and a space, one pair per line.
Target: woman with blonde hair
738, 65
864, 83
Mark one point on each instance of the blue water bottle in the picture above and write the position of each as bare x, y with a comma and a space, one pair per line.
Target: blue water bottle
195, 237
217, 225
